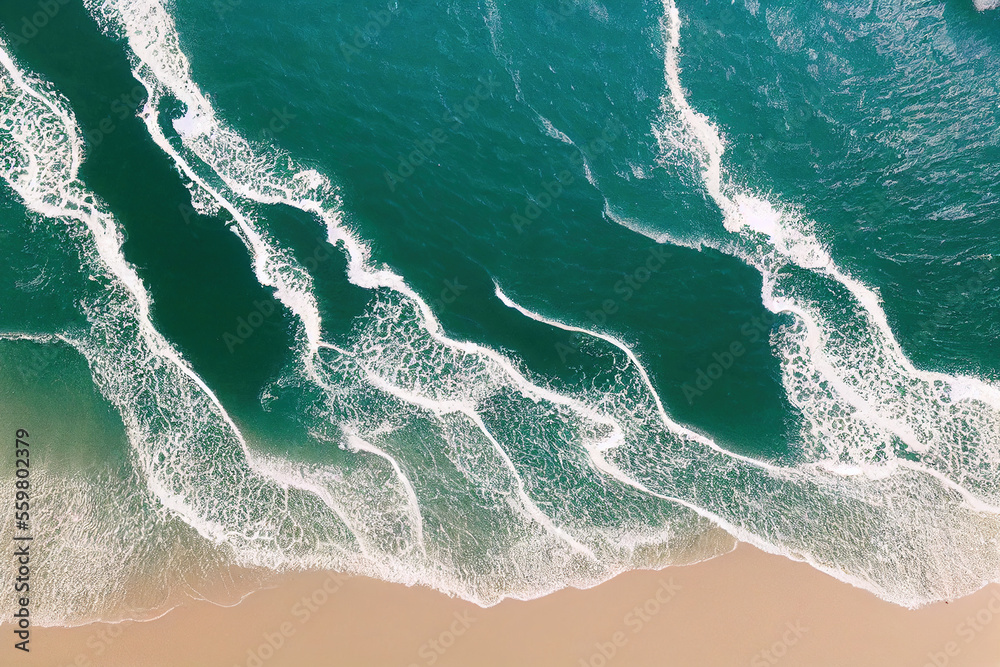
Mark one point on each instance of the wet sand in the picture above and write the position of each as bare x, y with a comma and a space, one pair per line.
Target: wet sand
744, 608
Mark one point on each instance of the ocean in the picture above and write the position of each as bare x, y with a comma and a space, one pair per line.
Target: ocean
498, 298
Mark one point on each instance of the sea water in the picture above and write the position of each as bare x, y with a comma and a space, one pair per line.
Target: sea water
499, 298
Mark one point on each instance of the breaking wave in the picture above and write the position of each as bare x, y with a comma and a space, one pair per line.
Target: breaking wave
455, 465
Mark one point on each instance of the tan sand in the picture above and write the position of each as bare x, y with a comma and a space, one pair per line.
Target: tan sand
745, 608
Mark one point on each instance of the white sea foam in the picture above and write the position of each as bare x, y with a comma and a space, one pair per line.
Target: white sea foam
402, 347
862, 377
545, 555
81, 561
444, 477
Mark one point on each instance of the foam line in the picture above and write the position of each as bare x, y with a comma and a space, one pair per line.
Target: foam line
200, 132
444, 407
355, 443
106, 235
969, 499
201, 128
259, 175
360, 274
56, 181
740, 211
168, 411
299, 300
64, 115
671, 425
748, 215
729, 526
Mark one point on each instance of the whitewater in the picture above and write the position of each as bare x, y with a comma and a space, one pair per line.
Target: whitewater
446, 447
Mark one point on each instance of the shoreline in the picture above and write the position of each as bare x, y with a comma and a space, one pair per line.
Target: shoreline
745, 607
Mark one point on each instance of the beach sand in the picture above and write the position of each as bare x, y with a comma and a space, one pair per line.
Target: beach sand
744, 608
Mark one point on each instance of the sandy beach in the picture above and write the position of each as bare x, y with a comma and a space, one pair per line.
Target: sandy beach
744, 608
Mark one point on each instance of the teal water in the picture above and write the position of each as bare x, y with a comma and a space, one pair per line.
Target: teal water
501, 298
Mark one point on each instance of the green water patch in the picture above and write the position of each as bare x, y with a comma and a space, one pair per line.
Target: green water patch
198, 273
46, 389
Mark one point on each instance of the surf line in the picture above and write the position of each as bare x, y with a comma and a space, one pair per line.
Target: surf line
308, 313
671, 425
752, 217
304, 309
198, 132
361, 273
54, 178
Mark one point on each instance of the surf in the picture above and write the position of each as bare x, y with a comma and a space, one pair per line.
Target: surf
457, 466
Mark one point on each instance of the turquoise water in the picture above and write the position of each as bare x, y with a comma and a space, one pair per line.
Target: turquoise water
501, 298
